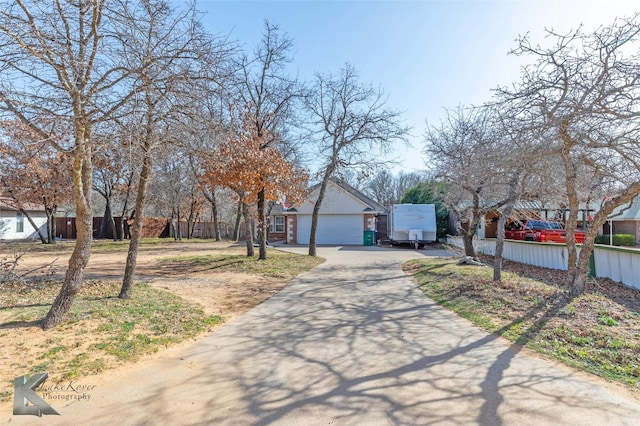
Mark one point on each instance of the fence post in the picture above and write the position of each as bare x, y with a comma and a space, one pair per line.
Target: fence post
592, 264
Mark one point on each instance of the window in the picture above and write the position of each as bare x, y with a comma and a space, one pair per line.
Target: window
277, 225
19, 222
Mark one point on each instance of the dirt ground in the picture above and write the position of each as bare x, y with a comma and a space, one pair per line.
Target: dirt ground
225, 294
221, 293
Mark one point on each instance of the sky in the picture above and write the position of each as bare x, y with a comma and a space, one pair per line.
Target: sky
426, 55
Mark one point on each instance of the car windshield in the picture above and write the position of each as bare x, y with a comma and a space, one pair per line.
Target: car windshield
541, 224
537, 224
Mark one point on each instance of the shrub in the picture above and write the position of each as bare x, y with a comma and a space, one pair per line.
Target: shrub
618, 239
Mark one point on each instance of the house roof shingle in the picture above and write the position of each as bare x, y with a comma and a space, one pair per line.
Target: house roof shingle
8, 205
372, 205
631, 213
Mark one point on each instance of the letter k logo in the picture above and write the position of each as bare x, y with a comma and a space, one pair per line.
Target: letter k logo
23, 394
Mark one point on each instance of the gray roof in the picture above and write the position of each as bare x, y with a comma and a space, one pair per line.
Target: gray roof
632, 213
372, 205
9, 205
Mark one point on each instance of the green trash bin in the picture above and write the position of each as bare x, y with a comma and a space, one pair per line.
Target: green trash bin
369, 237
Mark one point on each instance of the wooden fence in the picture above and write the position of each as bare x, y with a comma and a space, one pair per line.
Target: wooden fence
206, 230
153, 227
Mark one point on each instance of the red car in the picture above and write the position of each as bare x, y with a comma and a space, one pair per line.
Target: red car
541, 231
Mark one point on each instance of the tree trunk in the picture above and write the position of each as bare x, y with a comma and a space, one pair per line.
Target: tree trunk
192, 220
126, 229
122, 230
75, 273
497, 262
467, 238
136, 229
132, 258
582, 269
572, 195
247, 229
577, 284
82, 174
51, 224
236, 229
262, 225
513, 195
214, 217
316, 211
470, 232
34, 226
191, 226
108, 224
112, 226
177, 228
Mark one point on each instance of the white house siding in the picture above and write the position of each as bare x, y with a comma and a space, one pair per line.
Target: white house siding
8, 225
341, 219
332, 229
336, 201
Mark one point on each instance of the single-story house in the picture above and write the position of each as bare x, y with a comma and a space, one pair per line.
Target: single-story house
625, 220
15, 226
524, 209
345, 215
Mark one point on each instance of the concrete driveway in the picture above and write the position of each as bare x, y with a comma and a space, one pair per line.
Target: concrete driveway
352, 342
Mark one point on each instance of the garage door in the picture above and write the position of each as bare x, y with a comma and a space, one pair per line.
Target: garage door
332, 229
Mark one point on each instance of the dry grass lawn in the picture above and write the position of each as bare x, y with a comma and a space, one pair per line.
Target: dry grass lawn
183, 291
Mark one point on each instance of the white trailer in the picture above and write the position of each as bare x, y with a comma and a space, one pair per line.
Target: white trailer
413, 224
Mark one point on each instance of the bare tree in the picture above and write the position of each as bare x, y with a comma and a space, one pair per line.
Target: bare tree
177, 191
584, 89
108, 176
383, 188
468, 157
352, 126
268, 94
203, 139
210, 194
387, 188
526, 170
177, 60
243, 163
61, 61
129, 159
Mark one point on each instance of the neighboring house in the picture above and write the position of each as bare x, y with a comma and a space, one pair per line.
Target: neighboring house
625, 220
530, 209
15, 226
344, 215
277, 222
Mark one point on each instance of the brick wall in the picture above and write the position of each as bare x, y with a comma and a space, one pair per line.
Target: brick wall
291, 228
